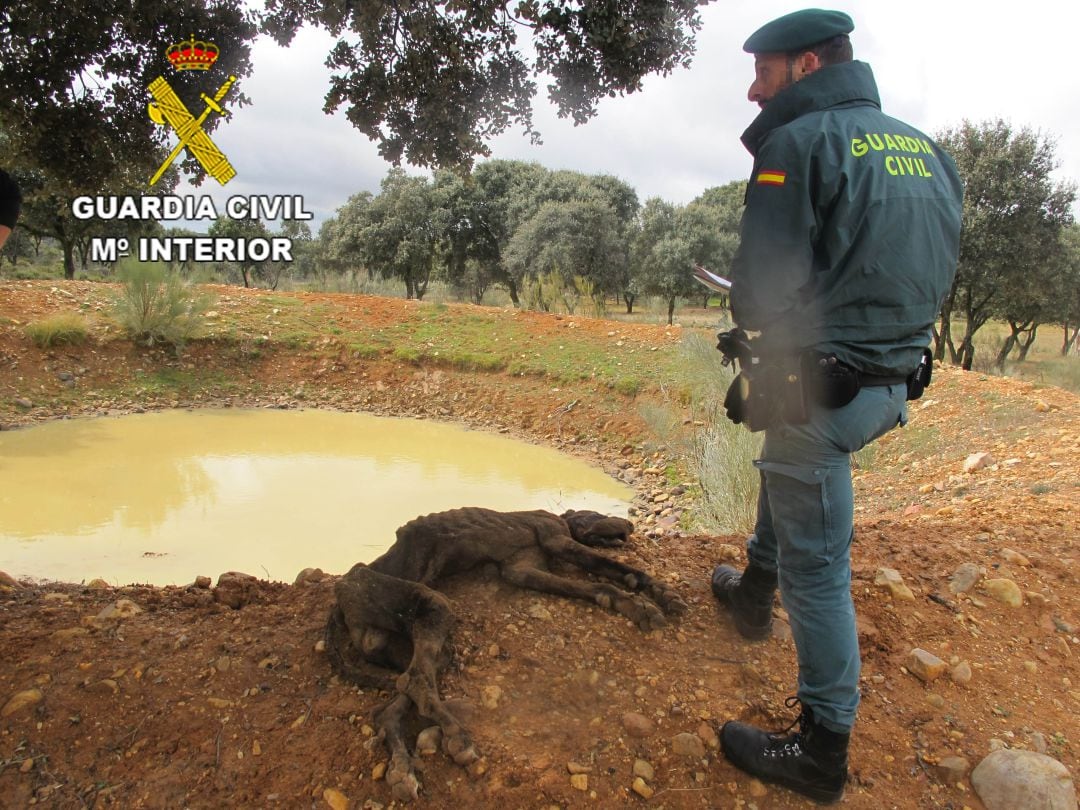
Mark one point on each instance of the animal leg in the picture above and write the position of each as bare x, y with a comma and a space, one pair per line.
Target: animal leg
400, 775
373, 604
636, 608
431, 631
632, 578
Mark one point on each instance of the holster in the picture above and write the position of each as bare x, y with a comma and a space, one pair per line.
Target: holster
828, 382
765, 394
920, 377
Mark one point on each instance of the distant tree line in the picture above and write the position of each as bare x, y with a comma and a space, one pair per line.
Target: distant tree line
540, 234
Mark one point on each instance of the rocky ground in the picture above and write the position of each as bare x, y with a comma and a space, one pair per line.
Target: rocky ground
965, 568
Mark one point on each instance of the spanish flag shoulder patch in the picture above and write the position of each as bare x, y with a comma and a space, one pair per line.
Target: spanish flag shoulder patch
771, 177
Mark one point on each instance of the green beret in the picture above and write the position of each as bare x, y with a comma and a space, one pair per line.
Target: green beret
800, 29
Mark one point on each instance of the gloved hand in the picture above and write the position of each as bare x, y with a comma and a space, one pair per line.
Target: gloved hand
733, 344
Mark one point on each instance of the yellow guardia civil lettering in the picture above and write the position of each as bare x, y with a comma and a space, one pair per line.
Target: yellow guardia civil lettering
891, 142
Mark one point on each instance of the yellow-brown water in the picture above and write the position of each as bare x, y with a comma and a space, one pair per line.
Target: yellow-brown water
164, 497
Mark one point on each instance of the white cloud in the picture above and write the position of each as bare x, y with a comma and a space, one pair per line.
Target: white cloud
936, 64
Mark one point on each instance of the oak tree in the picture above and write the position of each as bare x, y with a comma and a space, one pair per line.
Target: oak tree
431, 81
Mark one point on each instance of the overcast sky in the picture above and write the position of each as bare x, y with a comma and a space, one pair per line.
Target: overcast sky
936, 63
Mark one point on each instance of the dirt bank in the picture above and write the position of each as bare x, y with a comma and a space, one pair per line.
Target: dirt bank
192, 703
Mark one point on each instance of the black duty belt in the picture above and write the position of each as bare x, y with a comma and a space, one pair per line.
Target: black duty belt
873, 380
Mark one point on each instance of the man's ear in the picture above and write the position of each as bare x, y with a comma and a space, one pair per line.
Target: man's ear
807, 63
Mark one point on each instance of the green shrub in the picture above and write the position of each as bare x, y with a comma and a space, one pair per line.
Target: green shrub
68, 328
630, 386
157, 306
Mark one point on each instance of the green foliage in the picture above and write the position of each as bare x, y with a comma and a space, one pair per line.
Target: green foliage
156, 306
394, 235
251, 271
68, 329
672, 240
1013, 217
568, 239
552, 292
431, 81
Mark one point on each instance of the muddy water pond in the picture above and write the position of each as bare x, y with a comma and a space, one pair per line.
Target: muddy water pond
164, 497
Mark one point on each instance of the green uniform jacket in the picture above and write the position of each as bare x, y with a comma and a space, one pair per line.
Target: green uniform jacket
851, 231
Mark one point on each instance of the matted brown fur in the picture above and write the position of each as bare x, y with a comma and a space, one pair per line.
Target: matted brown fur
390, 628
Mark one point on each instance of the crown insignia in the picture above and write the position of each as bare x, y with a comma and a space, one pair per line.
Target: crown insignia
192, 54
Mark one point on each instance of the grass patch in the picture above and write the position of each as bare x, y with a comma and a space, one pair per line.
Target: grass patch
366, 351
472, 361
715, 452
157, 306
168, 381
629, 386
66, 329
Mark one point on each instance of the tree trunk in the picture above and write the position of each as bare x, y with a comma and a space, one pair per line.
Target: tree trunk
671, 310
69, 258
1027, 343
1003, 355
943, 337
629, 298
511, 287
1070, 339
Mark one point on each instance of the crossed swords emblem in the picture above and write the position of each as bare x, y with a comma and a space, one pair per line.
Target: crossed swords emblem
168, 108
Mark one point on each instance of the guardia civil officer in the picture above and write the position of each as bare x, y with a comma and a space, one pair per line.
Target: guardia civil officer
10, 201
849, 243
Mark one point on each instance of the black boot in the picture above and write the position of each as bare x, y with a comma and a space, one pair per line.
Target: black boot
811, 761
749, 597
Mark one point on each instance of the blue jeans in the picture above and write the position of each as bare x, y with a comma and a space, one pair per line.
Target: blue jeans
804, 531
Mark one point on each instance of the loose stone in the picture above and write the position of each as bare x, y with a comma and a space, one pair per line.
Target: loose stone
951, 770
637, 725
708, 735
978, 461
8, 581
964, 578
22, 700
644, 770
336, 799
641, 789
1010, 779
121, 609
579, 781
961, 673
758, 789
1005, 591
925, 665
688, 745
889, 579
1015, 557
